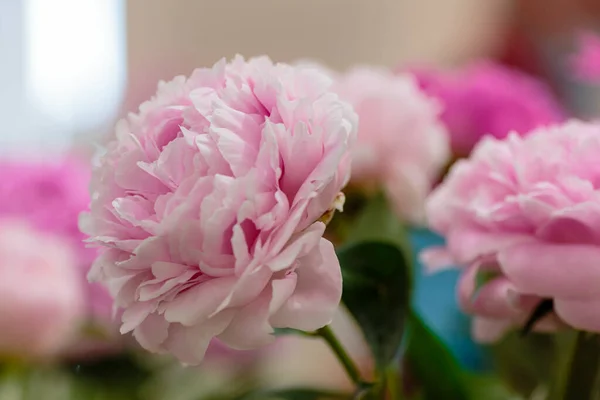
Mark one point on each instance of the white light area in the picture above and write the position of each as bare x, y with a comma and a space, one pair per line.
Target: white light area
74, 62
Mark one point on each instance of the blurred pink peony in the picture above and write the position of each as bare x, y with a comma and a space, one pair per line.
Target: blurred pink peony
401, 143
585, 63
41, 298
523, 216
485, 98
49, 195
207, 207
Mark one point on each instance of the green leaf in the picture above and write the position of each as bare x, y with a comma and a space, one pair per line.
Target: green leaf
296, 394
525, 362
377, 293
489, 387
119, 376
576, 375
377, 277
437, 373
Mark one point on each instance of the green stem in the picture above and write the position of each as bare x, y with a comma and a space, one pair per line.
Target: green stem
393, 383
580, 372
342, 355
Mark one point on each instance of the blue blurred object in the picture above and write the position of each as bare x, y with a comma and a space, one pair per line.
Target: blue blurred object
435, 299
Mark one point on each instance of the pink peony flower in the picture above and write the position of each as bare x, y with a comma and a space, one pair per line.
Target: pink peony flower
41, 299
207, 207
585, 63
525, 212
49, 195
489, 99
401, 143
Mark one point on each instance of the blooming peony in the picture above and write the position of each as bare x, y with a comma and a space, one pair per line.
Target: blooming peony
207, 207
489, 99
585, 63
401, 143
525, 212
41, 298
49, 195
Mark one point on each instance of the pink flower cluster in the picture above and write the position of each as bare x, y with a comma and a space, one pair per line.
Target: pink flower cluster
207, 207
40, 202
41, 296
585, 63
525, 212
401, 144
485, 98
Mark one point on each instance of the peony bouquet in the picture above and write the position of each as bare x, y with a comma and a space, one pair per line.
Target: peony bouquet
249, 234
216, 212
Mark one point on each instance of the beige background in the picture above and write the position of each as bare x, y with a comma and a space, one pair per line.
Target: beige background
169, 37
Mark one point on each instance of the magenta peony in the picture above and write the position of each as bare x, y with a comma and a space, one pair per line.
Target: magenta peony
585, 63
207, 207
401, 143
41, 298
524, 213
485, 98
48, 195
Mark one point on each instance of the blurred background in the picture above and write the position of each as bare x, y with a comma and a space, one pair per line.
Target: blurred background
70, 68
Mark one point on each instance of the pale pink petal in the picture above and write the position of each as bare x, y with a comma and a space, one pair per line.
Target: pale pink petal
250, 327
496, 299
196, 304
152, 332
189, 343
317, 294
468, 245
134, 315
436, 259
488, 330
549, 270
580, 314
298, 246
247, 287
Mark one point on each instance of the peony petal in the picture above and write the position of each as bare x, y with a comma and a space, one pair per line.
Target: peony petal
580, 314
164, 270
553, 270
135, 315
195, 305
436, 259
282, 290
156, 288
250, 327
152, 332
488, 330
576, 224
298, 246
318, 291
496, 299
189, 343
247, 288
467, 285
467, 244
